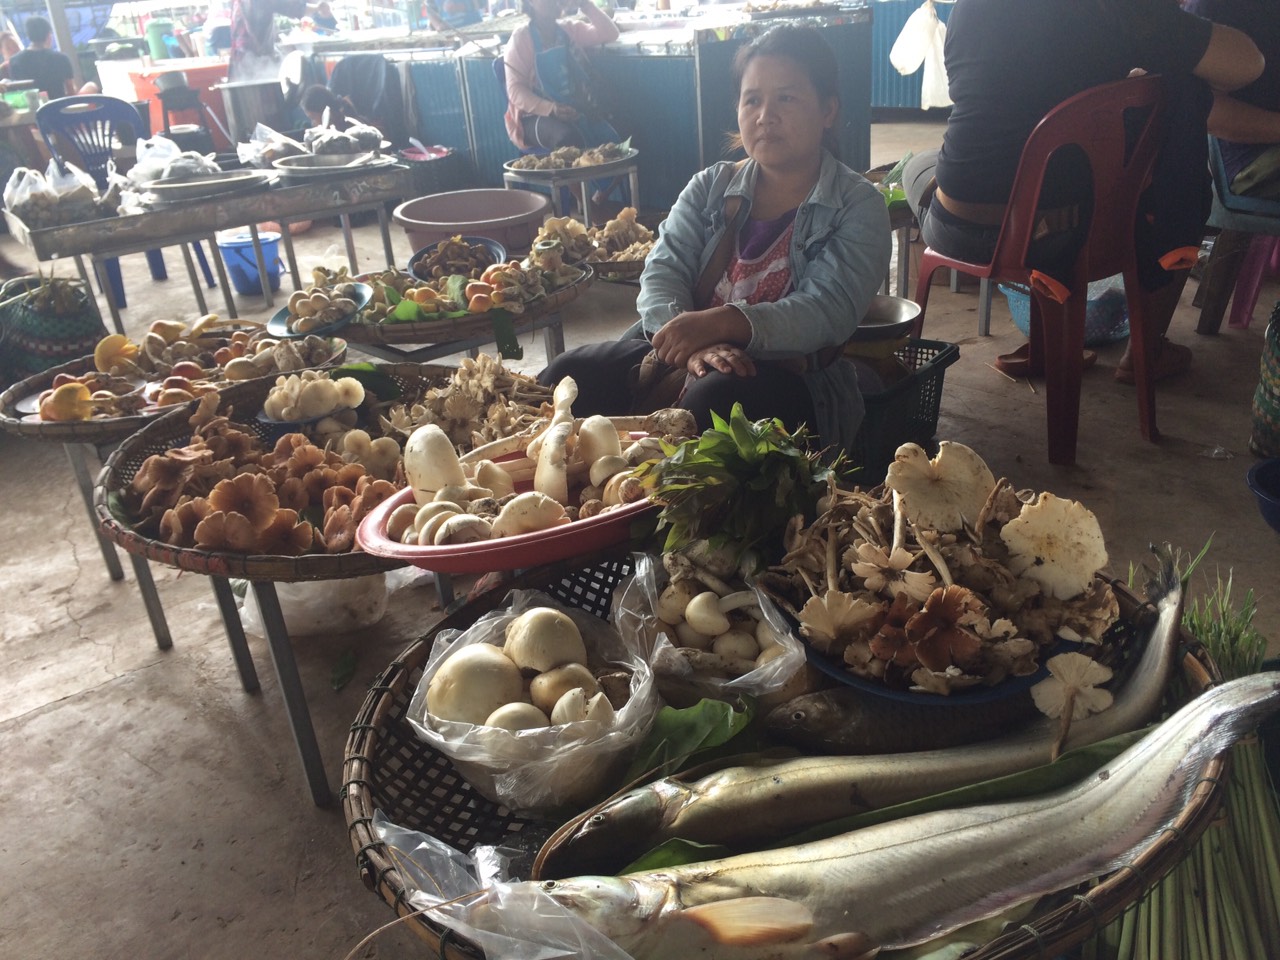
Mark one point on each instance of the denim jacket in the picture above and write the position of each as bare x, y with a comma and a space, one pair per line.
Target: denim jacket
839, 255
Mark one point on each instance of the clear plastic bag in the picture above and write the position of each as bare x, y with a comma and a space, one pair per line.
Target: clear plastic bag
154, 154
635, 601
189, 163
538, 770
323, 606
28, 195
265, 146
514, 921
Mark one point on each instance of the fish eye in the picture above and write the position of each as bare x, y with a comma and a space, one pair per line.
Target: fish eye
548, 885
798, 716
598, 818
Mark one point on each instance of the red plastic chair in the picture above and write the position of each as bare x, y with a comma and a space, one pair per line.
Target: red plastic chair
1095, 121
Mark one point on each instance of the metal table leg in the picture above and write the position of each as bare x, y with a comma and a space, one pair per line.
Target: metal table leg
196, 286
222, 279
345, 218
444, 589
384, 224
105, 282
904, 262
290, 256
553, 336
235, 633
633, 179
295, 700
263, 278
984, 307
151, 600
75, 453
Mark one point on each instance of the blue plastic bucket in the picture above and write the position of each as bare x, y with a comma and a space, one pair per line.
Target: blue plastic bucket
237, 254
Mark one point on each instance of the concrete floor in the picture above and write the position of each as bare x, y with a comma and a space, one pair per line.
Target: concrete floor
154, 809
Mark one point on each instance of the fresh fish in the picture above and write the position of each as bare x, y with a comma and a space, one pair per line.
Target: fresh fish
904, 883
740, 807
843, 720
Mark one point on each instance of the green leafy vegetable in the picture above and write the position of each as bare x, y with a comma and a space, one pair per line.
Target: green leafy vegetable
676, 853
371, 378
406, 311
344, 670
677, 735
391, 294
740, 482
504, 335
455, 288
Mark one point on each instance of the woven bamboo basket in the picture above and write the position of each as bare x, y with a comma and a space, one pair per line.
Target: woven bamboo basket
388, 768
469, 327
105, 430
245, 400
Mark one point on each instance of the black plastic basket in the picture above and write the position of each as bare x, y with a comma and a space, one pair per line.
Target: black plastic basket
906, 412
438, 174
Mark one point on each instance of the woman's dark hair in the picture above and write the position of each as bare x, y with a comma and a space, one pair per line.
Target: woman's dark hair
804, 47
318, 96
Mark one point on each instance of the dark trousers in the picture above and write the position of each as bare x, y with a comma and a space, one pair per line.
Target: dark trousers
603, 372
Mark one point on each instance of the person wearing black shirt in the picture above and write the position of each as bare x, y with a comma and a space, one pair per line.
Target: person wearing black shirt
1009, 63
50, 69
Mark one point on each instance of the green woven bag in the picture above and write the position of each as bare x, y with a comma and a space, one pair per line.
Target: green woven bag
34, 335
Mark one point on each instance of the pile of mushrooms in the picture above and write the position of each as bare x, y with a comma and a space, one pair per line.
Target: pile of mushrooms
717, 628
945, 578
310, 395
577, 468
538, 678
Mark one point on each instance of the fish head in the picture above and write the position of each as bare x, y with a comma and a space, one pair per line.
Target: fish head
606, 839
619, 907
806, 720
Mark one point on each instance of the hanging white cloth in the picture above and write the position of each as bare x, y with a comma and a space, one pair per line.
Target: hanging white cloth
920, 43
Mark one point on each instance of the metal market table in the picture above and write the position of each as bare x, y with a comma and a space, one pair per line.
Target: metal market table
579, 177
344, 193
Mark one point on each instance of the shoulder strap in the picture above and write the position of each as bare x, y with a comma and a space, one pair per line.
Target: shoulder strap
714, 270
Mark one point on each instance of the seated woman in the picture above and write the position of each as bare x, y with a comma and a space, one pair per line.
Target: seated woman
317, 98
551, 98
763, 268
1009, 62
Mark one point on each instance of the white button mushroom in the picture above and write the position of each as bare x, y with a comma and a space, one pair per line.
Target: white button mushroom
570, 708
703, 614
737, 644
472, 683
547, 688
675, 598
542, 639
401, 519
462, 528
690, 637
431, 462
518, 716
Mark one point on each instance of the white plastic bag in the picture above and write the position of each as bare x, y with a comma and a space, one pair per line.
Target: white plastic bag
634, 603
921, 41
323, 606
153, 155
266, 146
548, 768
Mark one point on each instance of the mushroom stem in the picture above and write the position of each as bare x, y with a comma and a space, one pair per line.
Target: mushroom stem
899, 523
807, 582
833, 557
985, 513
934, 555
1064, 724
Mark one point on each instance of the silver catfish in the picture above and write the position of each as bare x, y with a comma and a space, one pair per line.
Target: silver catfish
903, 883
742, 805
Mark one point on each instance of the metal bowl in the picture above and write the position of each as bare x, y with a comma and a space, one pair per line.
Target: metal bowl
1264, 481
888, 318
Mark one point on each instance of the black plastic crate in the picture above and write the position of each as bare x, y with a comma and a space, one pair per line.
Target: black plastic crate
906, 412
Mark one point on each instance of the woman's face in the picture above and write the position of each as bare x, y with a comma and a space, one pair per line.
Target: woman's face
780, 116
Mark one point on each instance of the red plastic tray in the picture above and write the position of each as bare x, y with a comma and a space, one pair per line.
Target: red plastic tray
506, 553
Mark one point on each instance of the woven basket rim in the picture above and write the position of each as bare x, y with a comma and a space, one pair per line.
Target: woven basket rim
315, 566
1046, 936
106, 429
618, 269
445, 331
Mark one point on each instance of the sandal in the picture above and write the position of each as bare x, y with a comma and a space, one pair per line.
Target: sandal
1018, 363
1171, 360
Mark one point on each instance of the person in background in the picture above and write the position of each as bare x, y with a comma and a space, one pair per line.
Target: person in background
1247, 121
253, 36
324, 19
763, 268
317, 98
9, 47
447, 15
50, 69
550, 100
1009, 63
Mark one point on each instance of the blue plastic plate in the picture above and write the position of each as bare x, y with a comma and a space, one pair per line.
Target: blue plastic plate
496, 250
278, 325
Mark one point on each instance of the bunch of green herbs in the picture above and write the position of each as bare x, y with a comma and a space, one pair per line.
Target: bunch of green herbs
740, 483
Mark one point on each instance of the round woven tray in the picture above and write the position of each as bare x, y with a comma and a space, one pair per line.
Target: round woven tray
388, 768
618, 269
469, 327
172, 429
102, 431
